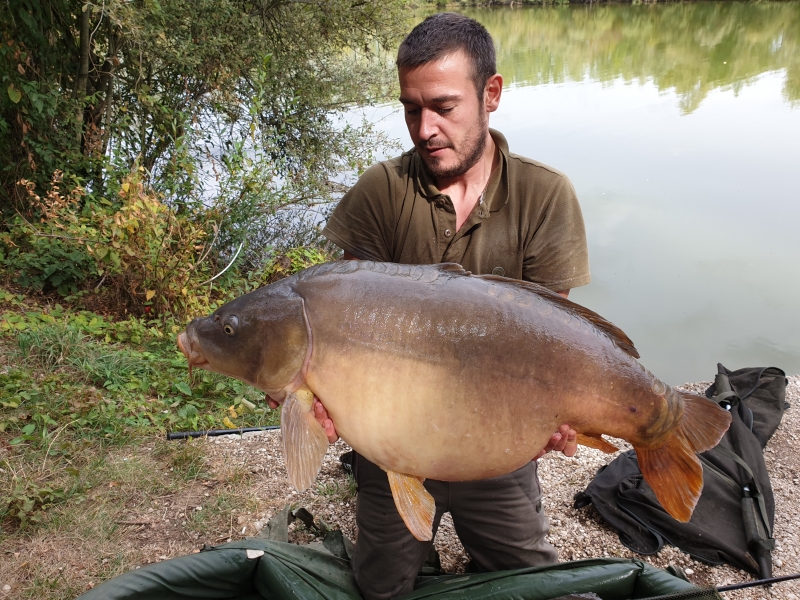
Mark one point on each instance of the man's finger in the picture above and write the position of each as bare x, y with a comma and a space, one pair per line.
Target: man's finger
330, 431
272, 404
321, 415
560, 443
570, 443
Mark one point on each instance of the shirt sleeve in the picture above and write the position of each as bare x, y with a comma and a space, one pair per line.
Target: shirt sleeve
556, 255
363, 223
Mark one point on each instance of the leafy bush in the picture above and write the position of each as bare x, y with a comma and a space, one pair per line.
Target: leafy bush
152, 259
51, 264
155, 258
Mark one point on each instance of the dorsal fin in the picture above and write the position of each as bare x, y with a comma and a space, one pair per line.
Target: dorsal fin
617, 336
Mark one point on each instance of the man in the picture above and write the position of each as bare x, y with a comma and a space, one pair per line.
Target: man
458, 196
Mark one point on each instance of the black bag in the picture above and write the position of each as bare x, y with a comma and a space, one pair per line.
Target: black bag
733, 520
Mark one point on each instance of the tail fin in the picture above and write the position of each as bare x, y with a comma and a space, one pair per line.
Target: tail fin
672, 469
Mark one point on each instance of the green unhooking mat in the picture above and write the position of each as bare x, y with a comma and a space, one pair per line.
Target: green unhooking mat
257, 568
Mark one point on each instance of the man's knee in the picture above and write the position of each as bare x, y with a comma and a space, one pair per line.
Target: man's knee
501, 521
387, 557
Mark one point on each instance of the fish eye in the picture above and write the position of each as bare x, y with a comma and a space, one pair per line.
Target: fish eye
231, 324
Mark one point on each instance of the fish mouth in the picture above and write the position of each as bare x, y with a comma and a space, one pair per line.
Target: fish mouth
193, 357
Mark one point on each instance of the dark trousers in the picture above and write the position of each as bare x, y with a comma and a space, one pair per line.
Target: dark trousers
499, 521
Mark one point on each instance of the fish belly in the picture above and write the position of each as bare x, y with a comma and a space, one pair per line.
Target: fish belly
424, 419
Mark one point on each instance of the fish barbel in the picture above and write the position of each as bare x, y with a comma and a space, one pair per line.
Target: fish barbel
431, 372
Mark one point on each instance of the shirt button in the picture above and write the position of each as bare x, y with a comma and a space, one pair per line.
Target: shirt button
499, 271
447, 233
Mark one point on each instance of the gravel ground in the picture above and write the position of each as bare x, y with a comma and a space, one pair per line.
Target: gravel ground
576, 533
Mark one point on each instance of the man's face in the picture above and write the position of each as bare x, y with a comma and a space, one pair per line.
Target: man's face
447, 121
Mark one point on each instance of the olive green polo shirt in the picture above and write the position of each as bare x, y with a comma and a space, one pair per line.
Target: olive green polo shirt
529, 225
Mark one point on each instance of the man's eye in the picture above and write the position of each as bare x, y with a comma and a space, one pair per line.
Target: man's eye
412, 111
444, 110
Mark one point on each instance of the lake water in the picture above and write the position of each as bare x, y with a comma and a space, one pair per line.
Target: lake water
679, 125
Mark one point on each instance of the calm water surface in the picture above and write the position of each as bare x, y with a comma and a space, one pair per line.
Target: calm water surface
679, 126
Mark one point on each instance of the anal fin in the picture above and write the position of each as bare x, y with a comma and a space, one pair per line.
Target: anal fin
304, 439
595, 440
415, 505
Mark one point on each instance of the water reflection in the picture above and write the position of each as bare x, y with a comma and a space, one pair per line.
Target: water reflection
689, 48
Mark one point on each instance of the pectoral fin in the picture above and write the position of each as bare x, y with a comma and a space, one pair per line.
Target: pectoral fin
304, 439
415, 505
595, 440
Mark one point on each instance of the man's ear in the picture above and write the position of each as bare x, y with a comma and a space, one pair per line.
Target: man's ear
492, 92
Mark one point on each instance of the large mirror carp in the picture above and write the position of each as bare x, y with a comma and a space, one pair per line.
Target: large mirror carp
431, 372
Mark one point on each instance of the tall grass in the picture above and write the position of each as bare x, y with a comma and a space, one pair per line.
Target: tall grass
55, 347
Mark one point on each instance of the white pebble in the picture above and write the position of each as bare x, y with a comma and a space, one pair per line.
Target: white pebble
689, 571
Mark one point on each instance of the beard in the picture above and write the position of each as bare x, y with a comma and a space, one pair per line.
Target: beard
470, 153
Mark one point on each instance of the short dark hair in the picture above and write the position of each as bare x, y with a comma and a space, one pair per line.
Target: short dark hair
446, 33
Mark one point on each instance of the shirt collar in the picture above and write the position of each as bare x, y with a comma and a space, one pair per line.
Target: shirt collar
496, 195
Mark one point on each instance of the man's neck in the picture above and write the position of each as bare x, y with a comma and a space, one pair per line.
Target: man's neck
466, 189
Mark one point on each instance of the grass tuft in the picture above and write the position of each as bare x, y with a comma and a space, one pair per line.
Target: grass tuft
340, 492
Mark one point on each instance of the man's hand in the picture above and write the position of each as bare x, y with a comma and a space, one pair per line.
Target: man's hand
564, 440
319, 413
323, 419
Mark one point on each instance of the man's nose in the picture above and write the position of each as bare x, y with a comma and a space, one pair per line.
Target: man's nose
428, 124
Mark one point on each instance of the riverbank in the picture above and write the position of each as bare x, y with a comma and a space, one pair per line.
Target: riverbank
152, 500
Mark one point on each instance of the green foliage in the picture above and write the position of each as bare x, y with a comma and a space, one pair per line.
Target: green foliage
50, 263
40, 124
230, 107
145, 258
25, 501
292, 261
152, 258
111, 389
76, 379
51, 346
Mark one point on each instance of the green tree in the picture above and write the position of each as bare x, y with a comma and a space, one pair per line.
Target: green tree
244, 93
